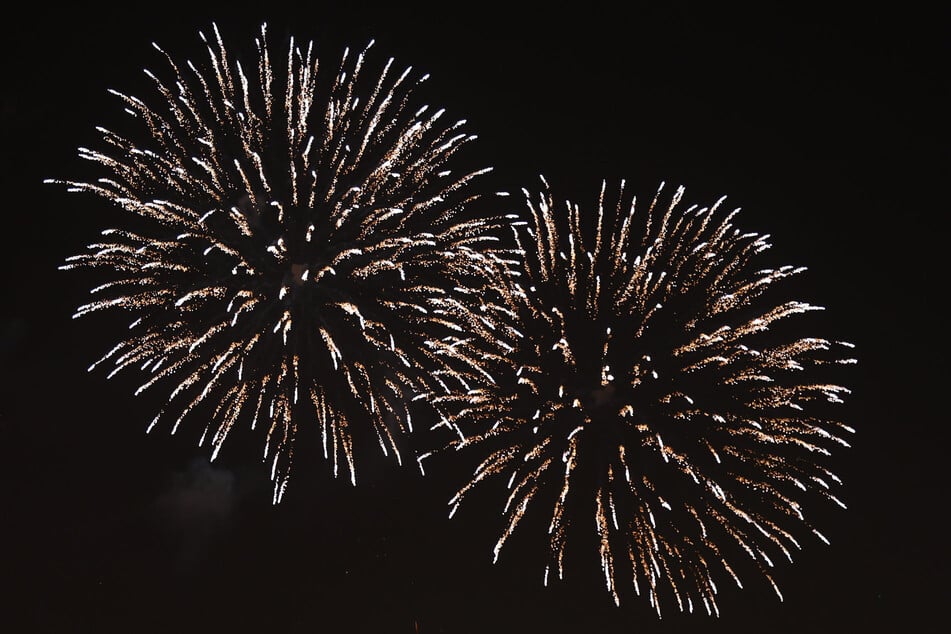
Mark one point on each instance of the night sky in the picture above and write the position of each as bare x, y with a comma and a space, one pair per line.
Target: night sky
829, 130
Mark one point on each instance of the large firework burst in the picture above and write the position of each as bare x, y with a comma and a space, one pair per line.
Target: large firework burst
655, 399
305, 250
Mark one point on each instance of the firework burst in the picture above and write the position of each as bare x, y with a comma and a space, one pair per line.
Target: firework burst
654, 399
304, 252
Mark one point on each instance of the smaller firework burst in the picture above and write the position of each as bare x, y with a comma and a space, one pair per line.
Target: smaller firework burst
659, 399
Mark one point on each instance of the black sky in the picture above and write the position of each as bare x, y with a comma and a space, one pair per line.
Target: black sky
828, 129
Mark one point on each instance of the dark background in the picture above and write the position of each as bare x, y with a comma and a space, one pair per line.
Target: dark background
828, 129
